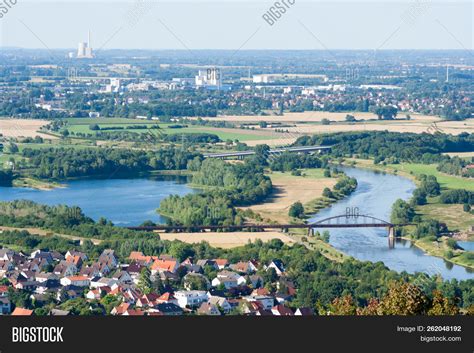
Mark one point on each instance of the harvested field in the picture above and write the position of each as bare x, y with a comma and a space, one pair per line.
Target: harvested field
226, 240
22, 128
290, 189
314, 117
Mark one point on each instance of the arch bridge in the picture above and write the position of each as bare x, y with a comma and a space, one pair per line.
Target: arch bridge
349, 220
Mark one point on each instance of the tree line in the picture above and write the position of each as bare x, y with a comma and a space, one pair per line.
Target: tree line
61, 163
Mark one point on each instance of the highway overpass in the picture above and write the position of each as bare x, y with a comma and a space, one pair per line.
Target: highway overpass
242, 154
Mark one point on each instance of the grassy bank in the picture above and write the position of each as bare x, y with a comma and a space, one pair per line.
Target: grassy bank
440, 248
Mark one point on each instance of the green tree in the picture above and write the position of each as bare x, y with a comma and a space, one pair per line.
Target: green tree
296, 210
419, 197
144, 282
402, 212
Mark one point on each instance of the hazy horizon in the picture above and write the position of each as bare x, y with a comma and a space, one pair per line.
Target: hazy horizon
232, 25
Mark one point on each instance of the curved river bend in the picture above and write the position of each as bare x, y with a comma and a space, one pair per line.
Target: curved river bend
374, 196
129, 202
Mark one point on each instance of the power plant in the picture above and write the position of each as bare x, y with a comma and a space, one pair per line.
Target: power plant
84, 50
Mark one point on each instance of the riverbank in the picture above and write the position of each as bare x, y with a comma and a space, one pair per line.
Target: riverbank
440, 248
450, 214
25, 182
45, 185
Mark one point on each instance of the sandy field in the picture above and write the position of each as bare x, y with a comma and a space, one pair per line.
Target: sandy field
288, 190
448, 127
461, 154
226, 240
22, 128
272, 142
314, 117
302, 121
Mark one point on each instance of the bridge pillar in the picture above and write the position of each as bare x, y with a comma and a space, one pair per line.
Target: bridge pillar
391, 232
391, 237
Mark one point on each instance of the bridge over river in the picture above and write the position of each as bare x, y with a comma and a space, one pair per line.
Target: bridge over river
342, 221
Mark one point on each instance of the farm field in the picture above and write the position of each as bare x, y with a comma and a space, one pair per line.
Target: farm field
226, 240
22, 128
464, 155
314, 117
224, 133
448, 127
290, 189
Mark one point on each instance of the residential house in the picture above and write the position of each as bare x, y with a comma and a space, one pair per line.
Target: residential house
243, 267
190, 299
73, 253
266, 301
229, 279
108, 258
220, 302
167, 298
78, 281
120, 309
159, 265
221, 263
147, 300
22, 312
281, 310
122, 277
167, 309
277, 265
43, 277
208, 309
98, 282
65, 268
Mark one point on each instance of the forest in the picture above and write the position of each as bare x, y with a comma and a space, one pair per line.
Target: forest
61, 163
226, 186
392, 147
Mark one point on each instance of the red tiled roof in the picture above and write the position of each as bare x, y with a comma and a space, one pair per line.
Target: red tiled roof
78, 278
22, 312
221, 262
164, 265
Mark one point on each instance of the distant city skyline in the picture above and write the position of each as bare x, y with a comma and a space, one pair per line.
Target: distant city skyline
422, 24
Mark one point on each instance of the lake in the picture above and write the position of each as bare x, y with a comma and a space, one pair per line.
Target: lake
126, 202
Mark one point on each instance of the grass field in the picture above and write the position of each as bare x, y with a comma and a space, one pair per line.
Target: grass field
81, 125
445, 180
453, 215
414, 169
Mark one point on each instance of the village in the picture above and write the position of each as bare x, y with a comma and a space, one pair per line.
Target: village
50, 283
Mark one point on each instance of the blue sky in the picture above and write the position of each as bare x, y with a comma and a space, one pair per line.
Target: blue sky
194, 24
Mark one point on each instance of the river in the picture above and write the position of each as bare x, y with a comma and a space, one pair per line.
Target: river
374, 196
129, 202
